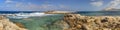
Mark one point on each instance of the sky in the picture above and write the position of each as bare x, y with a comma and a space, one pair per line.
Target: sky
64, 5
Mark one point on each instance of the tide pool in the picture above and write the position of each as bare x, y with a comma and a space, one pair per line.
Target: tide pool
41, 23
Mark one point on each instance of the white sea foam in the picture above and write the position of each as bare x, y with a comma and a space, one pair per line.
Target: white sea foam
27, 15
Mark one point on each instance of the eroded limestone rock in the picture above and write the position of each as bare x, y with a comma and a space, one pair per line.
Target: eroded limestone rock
78, 22
5, 24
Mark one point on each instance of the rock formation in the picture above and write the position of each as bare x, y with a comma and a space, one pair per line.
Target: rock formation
78, 22
5, 24
58, 12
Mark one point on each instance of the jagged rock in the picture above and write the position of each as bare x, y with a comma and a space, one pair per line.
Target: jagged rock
5, 24
78, 22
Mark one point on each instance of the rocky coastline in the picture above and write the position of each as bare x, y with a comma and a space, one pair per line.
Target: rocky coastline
73, 22
5, 24
79, 22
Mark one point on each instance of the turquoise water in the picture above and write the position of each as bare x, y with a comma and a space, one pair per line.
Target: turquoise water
40, 23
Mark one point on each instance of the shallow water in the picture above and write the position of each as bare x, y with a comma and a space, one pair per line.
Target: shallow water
40, 23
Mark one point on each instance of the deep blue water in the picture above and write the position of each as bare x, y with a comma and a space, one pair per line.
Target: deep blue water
14, 12
99, 13
88, 13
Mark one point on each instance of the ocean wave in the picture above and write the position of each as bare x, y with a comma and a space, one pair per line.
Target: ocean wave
26, 15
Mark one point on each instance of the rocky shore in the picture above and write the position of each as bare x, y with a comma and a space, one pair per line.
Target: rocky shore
5, 24
78, 22
72, 22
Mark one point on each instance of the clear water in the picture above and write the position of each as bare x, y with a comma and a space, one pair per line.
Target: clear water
40, 23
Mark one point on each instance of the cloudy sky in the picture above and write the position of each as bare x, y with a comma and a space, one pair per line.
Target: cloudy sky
45, 5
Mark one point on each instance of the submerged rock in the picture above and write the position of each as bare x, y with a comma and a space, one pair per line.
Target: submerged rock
5, 24
78, 22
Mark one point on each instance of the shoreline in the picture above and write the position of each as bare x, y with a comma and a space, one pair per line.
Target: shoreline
80, 22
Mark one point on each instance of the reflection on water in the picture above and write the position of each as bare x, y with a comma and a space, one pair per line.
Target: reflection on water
40, 23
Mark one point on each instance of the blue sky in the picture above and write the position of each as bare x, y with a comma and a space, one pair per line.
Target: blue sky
67, 5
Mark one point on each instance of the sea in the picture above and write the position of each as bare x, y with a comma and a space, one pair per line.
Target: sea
37, 20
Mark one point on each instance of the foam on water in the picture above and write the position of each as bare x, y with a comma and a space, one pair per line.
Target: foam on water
26, 15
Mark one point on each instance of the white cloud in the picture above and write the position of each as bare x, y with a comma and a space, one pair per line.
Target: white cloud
8, 1
97, 4
113, 4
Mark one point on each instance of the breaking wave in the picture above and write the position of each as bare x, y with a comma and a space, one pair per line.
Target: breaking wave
26, 15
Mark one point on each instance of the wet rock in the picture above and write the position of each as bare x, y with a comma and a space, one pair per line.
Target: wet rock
20, 25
